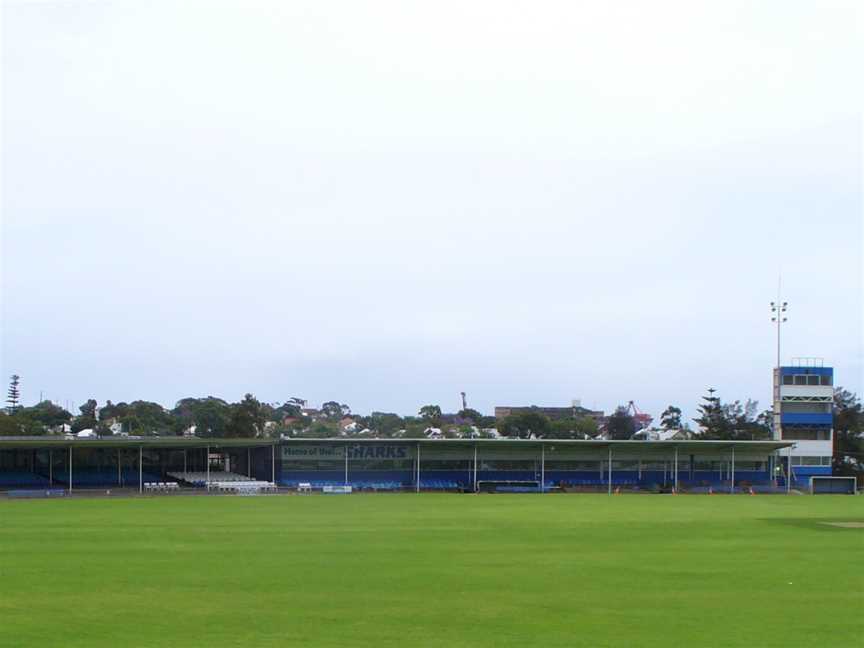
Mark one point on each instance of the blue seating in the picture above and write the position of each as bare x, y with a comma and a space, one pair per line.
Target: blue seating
33, 494
439, 484
376, 485
99, 478
448, 480
21, 479
517, 489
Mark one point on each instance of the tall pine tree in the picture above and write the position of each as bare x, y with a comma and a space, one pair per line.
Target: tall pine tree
13, 397
712, 419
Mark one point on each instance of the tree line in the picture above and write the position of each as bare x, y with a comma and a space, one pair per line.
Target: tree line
217, 418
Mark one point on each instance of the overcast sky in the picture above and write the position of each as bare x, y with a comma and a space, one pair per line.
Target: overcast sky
387, 203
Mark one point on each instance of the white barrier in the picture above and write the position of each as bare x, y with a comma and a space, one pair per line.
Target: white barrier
337, 490
245, 487
161, 487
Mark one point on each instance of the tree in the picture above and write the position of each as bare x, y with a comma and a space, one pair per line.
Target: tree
472, 415
848, 431
288, 409
334, 411
464, 432
139, 417
384, 424
415, 431
87, 419
297, 426
247, 419
620, 424
103, 430
581, 427
320, 430
743, 423
711, 419
430, 413
735, 421
18, 424
46, 414
14, 394
88, 409
9, 425
210, 416
765, 420
670, 419
525, 425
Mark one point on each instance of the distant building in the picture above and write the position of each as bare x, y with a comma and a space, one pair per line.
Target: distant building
659, 434
554, 413
348, 424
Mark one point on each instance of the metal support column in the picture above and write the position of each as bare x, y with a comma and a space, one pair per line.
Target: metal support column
207, 461
732, 474
417, 485
675, 469
70, 467
639, 469
184, 462
249, 461
542, 468
50, 466
273, 463
475, 467
789, 470
345, 449
119, 464
140, 469
609, 477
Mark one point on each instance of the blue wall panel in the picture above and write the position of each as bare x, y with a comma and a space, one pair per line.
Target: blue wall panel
813, 371
806, 418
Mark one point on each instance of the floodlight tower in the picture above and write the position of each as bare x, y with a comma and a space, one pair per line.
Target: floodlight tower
803, 410
778, 316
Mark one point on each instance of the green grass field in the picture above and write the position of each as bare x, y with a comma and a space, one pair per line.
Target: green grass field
432, 570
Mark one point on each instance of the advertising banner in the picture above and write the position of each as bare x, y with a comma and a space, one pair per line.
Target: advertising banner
364, 451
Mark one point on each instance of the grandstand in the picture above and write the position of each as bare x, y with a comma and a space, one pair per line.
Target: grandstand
534, 465
135, 464
372, 465
225, 482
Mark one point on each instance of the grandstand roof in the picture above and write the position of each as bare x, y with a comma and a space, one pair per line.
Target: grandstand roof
132, 442
694, 446
660, 447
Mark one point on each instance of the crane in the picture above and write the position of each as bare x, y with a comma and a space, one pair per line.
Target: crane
642, 419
